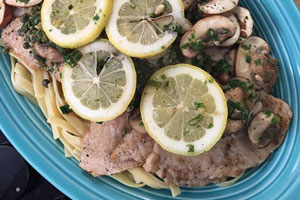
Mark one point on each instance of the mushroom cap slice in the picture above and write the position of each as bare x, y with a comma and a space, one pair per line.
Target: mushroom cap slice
6, 14
215, 7
254, 63
246, 23
135, 122
210, 31
216, 53
231, 41
263, 129
17, 3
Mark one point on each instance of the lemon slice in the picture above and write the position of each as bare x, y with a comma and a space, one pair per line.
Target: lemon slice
144, 28
102, 84
71, 24
184, 109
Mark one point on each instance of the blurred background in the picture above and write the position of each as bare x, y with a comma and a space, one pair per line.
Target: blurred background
19, 181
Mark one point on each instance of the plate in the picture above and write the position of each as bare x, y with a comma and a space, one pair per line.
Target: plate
278, 178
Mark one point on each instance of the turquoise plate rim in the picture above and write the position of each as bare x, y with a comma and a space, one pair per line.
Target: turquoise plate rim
278, 178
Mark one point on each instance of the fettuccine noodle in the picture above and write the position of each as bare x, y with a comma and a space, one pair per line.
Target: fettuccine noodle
69, 128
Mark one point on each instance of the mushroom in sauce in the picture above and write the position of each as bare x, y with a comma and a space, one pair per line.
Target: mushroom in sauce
207, 32
263, 128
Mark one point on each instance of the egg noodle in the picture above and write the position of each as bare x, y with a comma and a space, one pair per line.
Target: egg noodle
69, 128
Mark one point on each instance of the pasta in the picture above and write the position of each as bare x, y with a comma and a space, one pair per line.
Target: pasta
69, 129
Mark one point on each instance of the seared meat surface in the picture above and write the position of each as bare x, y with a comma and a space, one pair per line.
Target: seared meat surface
109, 149
231, 156
12, 40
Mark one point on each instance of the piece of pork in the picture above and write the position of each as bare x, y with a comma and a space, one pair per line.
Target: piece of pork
107, 151
48, 53
231, 156
12, 40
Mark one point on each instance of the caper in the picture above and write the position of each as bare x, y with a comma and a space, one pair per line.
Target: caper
26, 45
27, 39
21, 33
45, 83
33, 38
24, 17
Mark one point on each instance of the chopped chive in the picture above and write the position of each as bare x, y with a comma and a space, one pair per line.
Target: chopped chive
65, 109
154, 83
195, 121
191, 148
99, 123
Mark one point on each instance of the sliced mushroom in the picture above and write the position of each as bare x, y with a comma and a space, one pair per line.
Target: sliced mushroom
6, 14
262, 129
187, 3
18, 12
209, 32
246, 23
258, 106
136, 122
17, 3
163, 22
184, 45
223, 78
233, 126
216, 53
215, 7
187, 26
236, 95
241, 98
255, 64
231, 41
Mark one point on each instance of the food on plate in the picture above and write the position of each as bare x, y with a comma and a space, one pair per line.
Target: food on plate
184, 109
144, 28
71, 24
173, 93
102, 84
6, 14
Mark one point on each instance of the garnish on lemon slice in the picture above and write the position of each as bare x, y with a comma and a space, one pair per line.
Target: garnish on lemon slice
184, 109
143, 28
72, 24
102, 84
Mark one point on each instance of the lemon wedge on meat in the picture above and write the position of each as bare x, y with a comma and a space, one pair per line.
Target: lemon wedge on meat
102, 84
144, 28
71, 24
184, 109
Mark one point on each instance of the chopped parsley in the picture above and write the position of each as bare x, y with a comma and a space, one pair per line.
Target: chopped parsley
210, 125
248, 59
70, 7
99, 123
257, 62
268, 113
96, 17
276, 119
198, 105
141, 123
132, 6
